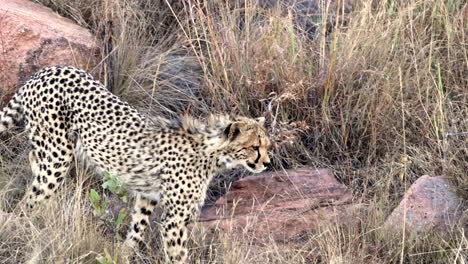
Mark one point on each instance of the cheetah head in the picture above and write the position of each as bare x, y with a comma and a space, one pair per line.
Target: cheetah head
247, 144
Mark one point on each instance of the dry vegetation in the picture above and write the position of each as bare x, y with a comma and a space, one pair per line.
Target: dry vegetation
379, 94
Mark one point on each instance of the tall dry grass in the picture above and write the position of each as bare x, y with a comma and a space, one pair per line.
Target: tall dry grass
379, 94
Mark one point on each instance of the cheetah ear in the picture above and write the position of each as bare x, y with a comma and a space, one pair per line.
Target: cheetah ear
260, 120
232, 131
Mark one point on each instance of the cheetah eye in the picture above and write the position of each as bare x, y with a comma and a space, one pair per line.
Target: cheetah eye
256, 148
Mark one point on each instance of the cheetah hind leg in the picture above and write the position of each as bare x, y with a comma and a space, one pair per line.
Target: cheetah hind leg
34, 168
48, 173
175, 235
142, 210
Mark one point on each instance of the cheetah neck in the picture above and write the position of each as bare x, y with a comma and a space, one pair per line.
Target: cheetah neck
210, 137
209, 134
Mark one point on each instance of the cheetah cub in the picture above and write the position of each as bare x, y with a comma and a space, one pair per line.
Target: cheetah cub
66, 109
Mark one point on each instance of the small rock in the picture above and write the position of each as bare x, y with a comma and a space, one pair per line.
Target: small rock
282, 205
33, 37
430, 204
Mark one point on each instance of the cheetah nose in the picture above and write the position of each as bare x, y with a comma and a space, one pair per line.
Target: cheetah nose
267, 164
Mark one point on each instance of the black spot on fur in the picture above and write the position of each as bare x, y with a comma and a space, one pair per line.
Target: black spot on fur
135, 227
145, 211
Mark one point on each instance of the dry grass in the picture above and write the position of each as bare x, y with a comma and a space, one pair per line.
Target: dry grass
379, 95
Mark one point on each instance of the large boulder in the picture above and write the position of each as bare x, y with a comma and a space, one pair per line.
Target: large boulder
429, 205
281, 205
33, 36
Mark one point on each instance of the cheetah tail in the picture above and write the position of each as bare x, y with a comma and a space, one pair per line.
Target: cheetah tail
11, 114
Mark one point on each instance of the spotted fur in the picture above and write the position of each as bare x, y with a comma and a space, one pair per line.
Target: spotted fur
171, 164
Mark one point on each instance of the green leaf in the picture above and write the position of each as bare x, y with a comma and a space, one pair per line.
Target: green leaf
123, 194
110, 185
107, 175
124, 198
95, 198
120, 217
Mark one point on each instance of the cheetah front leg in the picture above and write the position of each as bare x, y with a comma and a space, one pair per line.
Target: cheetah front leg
175, 233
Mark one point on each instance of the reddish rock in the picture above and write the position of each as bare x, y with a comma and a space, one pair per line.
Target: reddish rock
281, 205
430, 204
33, 36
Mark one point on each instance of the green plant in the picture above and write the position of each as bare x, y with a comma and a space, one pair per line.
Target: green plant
101, 210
